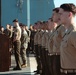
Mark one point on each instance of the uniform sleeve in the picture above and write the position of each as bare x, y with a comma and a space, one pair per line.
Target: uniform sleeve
26, 37
73, 39
61, 31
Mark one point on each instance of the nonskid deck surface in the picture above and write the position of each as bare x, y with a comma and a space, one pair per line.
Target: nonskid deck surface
29, 70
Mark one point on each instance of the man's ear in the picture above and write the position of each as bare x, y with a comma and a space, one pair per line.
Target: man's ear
70, 14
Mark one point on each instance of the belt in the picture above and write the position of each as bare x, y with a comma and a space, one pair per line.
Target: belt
68, 71
46, 49
56, 53
50, 54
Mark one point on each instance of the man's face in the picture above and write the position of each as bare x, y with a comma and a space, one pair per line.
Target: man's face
26, 27
55, 16
15, 24
64, 16
49, 24
7, 26
2, 29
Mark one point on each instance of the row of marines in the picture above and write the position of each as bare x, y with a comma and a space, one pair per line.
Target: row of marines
55, 42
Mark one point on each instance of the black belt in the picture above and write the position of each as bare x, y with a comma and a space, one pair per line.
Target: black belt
50, 54
54, 53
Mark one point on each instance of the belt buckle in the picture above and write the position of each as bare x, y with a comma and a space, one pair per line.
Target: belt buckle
63, 71
56, 53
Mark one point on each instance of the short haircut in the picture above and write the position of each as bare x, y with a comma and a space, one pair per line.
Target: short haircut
56, 10
36, 23
15, 20
41, 22
70, 7
44, 22
23, 25
2, 27
50, 19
